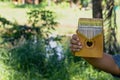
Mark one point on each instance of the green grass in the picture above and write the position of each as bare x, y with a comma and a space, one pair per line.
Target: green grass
67, 17
14, 14
6, 5
118, 24
68, 20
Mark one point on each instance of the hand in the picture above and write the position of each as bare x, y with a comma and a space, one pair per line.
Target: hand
75, 44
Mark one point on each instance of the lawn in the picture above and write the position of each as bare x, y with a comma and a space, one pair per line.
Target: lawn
67, 18
68, 21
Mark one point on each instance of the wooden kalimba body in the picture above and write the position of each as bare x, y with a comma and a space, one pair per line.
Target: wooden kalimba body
90, 32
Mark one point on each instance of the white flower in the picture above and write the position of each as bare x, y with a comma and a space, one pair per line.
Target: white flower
59, 49
53, 44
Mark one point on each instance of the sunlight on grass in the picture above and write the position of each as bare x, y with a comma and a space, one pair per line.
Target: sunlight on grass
6, 4
67, 18
71, 16
14, 14
118, 25
68, 23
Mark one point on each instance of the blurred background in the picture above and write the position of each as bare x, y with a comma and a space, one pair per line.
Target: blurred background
35, 38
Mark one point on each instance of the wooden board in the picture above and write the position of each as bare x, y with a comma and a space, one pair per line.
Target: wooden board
90, 32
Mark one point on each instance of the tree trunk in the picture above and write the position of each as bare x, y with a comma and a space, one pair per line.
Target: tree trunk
49, 2
110, 40
97, 9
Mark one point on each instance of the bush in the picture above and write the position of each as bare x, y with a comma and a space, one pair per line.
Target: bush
27, 48
27, 53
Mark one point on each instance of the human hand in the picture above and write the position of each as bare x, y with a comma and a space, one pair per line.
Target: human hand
75, 44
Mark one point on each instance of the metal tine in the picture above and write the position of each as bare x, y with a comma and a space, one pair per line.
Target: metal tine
90, 31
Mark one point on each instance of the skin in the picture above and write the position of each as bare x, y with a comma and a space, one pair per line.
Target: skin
106, 63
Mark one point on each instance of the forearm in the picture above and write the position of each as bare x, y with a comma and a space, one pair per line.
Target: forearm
106, 63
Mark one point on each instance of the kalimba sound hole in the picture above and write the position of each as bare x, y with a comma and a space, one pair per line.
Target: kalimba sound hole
89, 43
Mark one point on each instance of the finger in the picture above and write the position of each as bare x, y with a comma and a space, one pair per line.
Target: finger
75, 50
75, 37
75, 46
72, 41
77, 42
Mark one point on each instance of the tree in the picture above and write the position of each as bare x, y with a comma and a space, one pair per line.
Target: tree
111, 28
111, 44
97, 9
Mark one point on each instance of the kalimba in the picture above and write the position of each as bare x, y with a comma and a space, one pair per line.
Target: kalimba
90, 32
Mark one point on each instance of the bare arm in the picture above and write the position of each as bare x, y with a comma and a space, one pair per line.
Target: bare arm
106, 63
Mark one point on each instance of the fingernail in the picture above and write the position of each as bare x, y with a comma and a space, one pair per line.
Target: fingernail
79, 43
77, 38
80, 47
